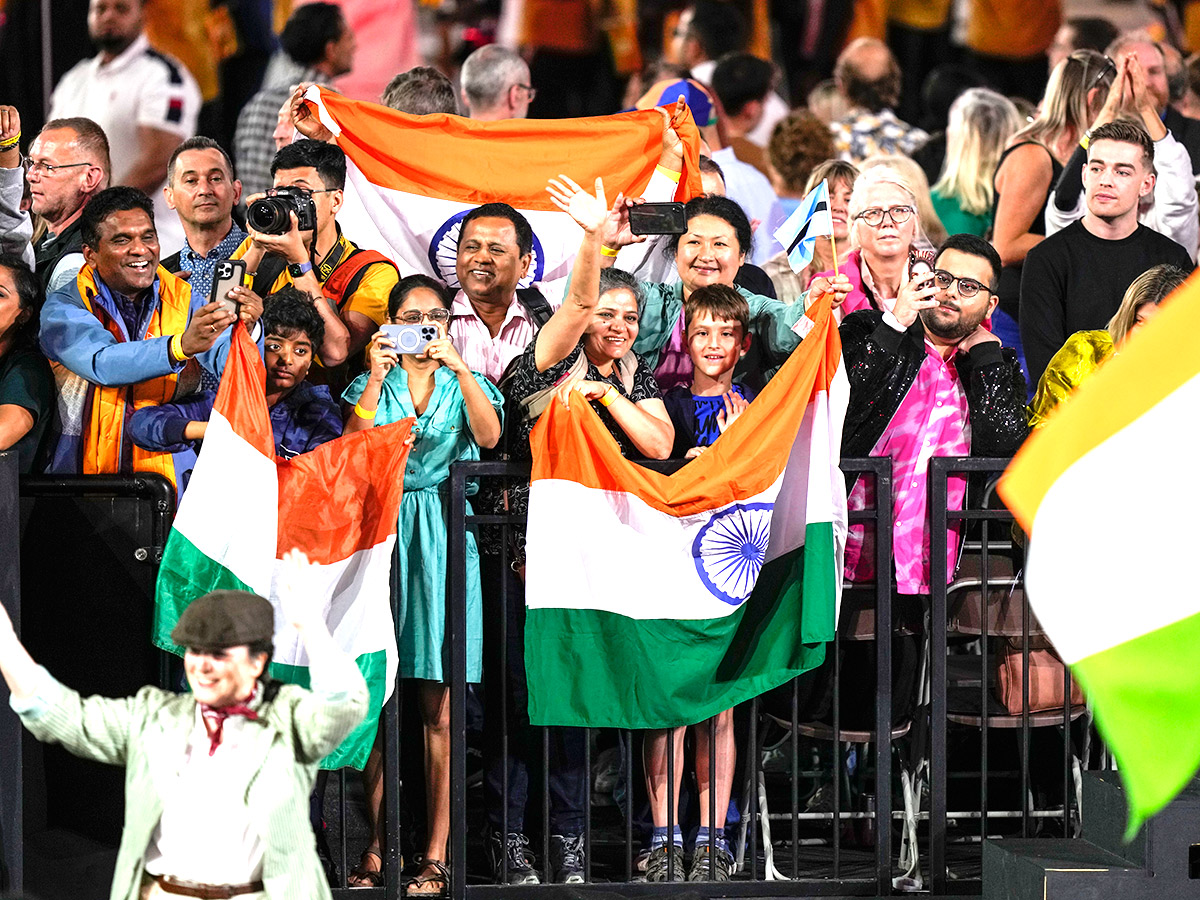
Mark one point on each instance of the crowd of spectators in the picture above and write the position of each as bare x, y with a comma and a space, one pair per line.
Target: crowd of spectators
1063, 210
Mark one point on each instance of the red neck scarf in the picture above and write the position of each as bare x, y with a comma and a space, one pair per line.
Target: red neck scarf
215, 716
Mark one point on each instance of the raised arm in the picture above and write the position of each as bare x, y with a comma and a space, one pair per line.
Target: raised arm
561, 334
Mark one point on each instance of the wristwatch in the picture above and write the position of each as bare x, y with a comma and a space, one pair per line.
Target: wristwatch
296, 270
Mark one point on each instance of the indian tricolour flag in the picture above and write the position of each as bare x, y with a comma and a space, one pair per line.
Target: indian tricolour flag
1111, 518
244, 509
411, 179
655, 600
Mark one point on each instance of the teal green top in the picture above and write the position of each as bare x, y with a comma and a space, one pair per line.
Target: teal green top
770, 322
956, 220
441, 437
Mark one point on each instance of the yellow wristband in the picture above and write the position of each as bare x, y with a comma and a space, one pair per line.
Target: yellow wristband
363, 413
610, 396
608, 251
673, 175
177, 348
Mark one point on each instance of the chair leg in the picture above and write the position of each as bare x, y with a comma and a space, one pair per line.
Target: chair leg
740, 855
911, 879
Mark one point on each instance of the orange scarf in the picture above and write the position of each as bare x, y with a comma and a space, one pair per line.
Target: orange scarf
105, 411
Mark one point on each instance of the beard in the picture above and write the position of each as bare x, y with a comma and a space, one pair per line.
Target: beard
953, 330
112, 43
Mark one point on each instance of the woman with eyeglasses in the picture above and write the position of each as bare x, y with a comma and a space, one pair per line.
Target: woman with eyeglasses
1031, 165
457, 411
884, 225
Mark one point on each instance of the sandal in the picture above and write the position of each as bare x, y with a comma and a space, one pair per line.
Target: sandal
363, 877
438, 875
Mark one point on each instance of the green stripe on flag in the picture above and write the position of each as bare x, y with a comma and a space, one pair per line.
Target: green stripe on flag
185, 574
353, 751
1146, 697
594, 668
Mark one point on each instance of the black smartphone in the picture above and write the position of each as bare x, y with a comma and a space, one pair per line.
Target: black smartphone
230, 273
657, 218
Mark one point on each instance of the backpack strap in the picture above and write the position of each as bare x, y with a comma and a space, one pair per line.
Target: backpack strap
345, 279
536, 305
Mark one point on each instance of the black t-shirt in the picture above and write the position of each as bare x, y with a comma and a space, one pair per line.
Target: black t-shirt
26, 381
1074, 281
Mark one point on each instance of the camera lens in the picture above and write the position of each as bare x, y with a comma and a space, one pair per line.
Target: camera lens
269, 215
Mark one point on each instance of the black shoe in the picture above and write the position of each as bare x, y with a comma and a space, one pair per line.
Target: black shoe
665, 863
514, 849
717, 867
566, 858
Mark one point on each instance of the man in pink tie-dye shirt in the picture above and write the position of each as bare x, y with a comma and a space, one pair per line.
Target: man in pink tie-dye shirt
926, 379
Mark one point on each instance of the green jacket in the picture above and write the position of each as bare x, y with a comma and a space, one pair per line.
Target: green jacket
770, 322
148, 733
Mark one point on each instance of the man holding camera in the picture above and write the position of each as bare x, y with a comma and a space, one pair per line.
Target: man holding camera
295, 239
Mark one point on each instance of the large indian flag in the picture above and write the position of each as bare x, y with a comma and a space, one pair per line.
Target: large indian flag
1112, 530
411, 179
244, 509
655, 600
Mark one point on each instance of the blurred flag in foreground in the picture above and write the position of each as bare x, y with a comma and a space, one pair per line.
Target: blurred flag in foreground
1104, 492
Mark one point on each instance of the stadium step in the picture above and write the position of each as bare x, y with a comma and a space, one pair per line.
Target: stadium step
1059, 869
1161, 863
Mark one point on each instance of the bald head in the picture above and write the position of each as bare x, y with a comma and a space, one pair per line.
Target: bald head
868, 76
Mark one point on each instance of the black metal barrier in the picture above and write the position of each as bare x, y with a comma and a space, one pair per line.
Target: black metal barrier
90, 548
12, 756
844, 844
985, 605
871, 872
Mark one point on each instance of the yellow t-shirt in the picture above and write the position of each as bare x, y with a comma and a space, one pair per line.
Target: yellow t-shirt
922, 14
370, 298
1012, 29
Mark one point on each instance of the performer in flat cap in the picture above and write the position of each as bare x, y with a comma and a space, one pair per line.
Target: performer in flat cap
217, 781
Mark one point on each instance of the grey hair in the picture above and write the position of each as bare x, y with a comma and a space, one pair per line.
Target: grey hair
614, 279
867, 179
489, 72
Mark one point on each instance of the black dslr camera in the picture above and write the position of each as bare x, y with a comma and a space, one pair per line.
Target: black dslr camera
269, 215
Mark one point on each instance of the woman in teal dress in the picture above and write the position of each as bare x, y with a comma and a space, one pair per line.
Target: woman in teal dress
457, 411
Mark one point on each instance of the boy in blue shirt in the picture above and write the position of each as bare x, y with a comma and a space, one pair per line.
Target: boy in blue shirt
716, 319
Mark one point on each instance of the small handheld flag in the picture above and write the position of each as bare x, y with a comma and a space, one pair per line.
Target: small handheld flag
798, 235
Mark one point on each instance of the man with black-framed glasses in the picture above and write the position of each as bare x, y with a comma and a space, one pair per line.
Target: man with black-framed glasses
67, 165
927, 378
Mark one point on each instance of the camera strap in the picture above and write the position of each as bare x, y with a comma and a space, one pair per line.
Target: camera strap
335, 257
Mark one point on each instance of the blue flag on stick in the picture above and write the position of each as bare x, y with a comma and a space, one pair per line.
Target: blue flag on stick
811, 220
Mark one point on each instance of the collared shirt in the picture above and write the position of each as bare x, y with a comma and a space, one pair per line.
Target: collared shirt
933, 420
862, 134
207, 833
473, 339
253, 143
202, 267
139, 87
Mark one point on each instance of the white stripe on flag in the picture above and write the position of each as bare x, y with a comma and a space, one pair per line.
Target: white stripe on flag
1135, 599
229, 510
357, 607
405, 226
635, 537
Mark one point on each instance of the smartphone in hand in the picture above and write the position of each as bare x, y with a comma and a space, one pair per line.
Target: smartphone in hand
657, 218
230, 273
411, 339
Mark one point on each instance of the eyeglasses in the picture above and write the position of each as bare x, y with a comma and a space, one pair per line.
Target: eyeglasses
307, 192
874, 216
967, 287
415, 316
44, 168
529, 89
